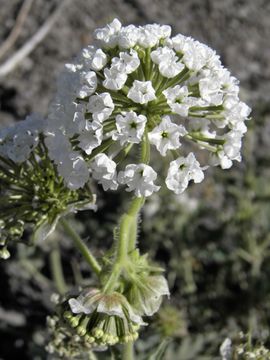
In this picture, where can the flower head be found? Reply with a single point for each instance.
(139, 86)
(102, 319)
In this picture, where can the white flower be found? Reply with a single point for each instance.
(68, 118)
(141, 92)
(88, 82)
(73, 169)
(166, 135)
(91, 137)
(101, 106)
(164, 31)
(19, 141)
(229, 151)
(236, 112)
(181, 171)
(210, 90)
(104, 171)
(94, 58)
(68, 84)
(126, 62)
(139, 178)
(128, 36)
(114, 79)
(130, 127)
(150, 34)
(168, 63)
(233, 144)
(177, 99)
(220, 158)
(107, 36)
(21, 146)
(196, 55)
(99, 60)
(200, 125)
(179, 43)
(58, 146)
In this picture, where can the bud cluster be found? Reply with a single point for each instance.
(32, 193)
(65, 342)
(244, 347)
(102, 319)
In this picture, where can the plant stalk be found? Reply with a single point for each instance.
(86, 253)
(126, 242)
(128, 351)
(57, 270)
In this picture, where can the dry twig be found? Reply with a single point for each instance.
(31, 44)
(15, 32)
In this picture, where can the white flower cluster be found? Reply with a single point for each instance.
(140, 86)
(18, 142)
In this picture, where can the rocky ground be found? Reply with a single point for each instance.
(238, 29)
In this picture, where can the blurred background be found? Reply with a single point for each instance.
(215, 244)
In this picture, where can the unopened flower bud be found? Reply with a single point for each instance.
(103, 319)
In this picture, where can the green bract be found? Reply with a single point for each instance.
(34, 196)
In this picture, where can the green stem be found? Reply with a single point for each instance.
(100, 149)
(86, 253)
(40, 279)
(76, 272)
(133, 234)
(128, 351)
(57, 270)
(125, 243)
(206, 139)
(145, 149)
(129, 221)
(128, 227)
(92, 356)
(122, 250)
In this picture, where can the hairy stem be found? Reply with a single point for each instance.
(133, 233)
(129, 222)
(126, 242)
(128, 227)
(128, 351)
(86, 253)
